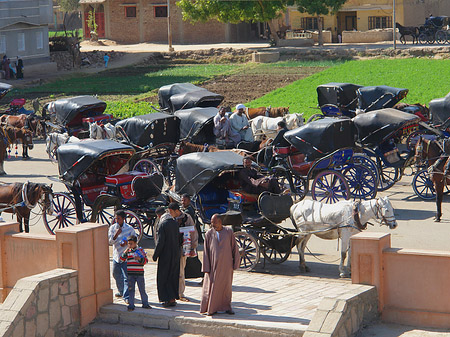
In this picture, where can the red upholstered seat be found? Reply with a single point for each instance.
(125, 182)
(104, 117)
(245, 197)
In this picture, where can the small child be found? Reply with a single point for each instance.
(136, 259)
(106, 59)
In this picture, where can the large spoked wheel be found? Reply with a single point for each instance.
(64, 214)
(423, 186)
(362, 182)
(362, 159)
(315, 117)
(148, 228)
(276, 245)
(388, 177)
(330, 187)
(299, 182)
(423, 38)
(146, 166)
(441, 37)
(248, 249)
(134, 221)
(104, 216)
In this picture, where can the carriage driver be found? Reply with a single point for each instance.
(254, 183)
(223, 131)
(239, 123)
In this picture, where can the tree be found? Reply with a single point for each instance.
(68, 6)
(92, 25)
(233, 11)
(317, 8)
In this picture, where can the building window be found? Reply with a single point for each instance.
(2, 44)
(130, 11)
(309, 23)
(39, 40)
(160, 11)
(21, 42)
(376, 22)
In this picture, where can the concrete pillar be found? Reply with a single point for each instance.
(7, 227)
(367, 260)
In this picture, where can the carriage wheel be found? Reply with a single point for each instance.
(134, 221)
(362, 182)
(146, 166)
(423, 38)
(299, 182)
(315, 117)
(330, 187)
(105, 216)
(363, 159)
(441, 37)
(64, 214)
(248, 249)
(269, 243)
(147, 227)
(423, 186)
(388, 177)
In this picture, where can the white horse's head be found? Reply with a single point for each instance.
(386, 212)
(294, 120)
(95, 131)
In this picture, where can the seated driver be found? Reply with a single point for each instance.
(254, 183)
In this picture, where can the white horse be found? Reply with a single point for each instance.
(341, 221)
(55, 140)
(106, 131)
(263, 126)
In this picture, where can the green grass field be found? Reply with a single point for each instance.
(62, 33)
(426, 79)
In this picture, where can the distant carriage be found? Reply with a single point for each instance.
(435, 29)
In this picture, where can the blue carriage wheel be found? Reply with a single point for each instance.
(388, 177)
(363, 159)
(362, 182)
(64, 213)
(330, 187)
(423, 186)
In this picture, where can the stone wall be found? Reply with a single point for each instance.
(345, 314)
(45, 304)
(370, 36)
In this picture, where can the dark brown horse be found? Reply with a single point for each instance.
(430, 151)
(418, 109)
(21, 198)
(12, 135)
(405, 31)
(268, 112)
(31, 122)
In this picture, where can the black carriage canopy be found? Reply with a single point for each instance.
(4, 89)
(197, 124)
(379, 97)
(339, 94)
(75, 158)
(440, 109)
(68, 108)
(152, 129)
(179, 96)
(436, 21)
(376, 126)
(322, 137)
(195, 170)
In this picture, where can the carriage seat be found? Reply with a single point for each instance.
(136, 185)
(244, 196)
(100, 118)
(298, 163)
(213, 200)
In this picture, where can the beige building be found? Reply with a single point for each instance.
(146, 21)
(364, 15)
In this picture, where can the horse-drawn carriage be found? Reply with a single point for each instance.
(197, 125)
(435, 29)
(73, 115)
(97, 178)
(179, 96)
(211, 179)
(345, 99)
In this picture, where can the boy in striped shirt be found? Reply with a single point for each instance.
(136, 259)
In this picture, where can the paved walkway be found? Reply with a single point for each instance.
(258, 299)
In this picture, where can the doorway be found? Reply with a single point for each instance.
(350, 22)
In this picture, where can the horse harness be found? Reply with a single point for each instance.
(356, 217)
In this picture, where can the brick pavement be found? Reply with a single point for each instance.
(258, 298)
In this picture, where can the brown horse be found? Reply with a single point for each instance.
(21, 198)
(405, 31)
(12, 135)
(430, 151)
(268, 112)
(31, 122)
(418, 109)
(185, 147)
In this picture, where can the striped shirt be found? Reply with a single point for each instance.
(136, 258)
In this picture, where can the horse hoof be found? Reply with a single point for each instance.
(344, 275)
(307, 269)
(303, 269)
(437, 220)
(3, 173)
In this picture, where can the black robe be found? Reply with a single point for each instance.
(168, 252)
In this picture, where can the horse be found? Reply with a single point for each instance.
(266, 127)
(268, 112)
(12, 135)
(341, 221)
(21, 198)
(55, 140)
(430, 151)
(102, 131)
(418, 109)
(184, 147)
(31, 122)
(405, 31)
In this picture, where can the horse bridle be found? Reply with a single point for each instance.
(379, 214)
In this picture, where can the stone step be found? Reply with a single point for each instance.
(115, 315)
(117, 330)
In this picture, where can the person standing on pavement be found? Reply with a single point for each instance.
(117, 235)
(188, 209)
(168, 252)
(189, 245)
(239, 123)
(220, 258)
(135, 258)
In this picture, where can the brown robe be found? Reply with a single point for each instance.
(220, 258)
